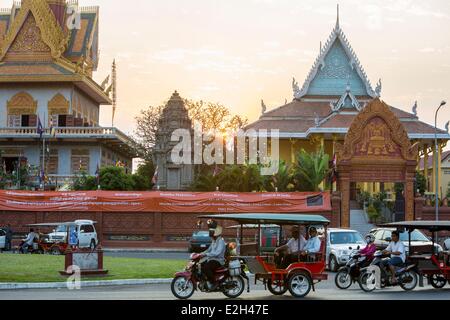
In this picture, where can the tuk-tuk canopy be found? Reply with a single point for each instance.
(54, 224)
(422, 224)
(271, 218)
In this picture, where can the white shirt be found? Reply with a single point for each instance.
(312, 245)
(397, 246)
(293, 244)
(447, 244)
(216, 251)
(30, 238)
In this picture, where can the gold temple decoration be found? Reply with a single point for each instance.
(51, 33)
(58, 105)
(21, 103)
(377, 132)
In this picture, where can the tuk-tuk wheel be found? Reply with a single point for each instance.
(277, 287)
(55, 251)
(299, 285)
(438, 281)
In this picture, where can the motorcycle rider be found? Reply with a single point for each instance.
(28, 242)
(215, 254)
(370, 249)
(396, 249)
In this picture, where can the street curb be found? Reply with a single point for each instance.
(99, 283)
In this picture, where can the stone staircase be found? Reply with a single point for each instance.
(359, 222)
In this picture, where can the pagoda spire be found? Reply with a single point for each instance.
(337, 18)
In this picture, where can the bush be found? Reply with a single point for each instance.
(373, 214)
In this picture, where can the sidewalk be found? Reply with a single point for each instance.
(93, 283)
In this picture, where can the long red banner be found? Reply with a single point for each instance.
(208, 202)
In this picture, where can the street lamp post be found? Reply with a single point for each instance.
(436, 174)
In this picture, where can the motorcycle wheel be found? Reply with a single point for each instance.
(367, 281)
(343, 279)
(277, 288)
(410, 285)
(300, 285)
(181, 288)
(438, 281)
(238, 288)
(333, 264)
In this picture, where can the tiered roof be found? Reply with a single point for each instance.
(334, 92)
(36, 45)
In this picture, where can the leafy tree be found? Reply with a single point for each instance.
(212, 116)
(143, 176)
(283, 180)
(205, 181)
(83, 182)
(310, 170)
(420, 183)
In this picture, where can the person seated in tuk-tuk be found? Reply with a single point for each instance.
(397, 250)
(312, 245)
(287, 254)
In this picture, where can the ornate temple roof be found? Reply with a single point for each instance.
(36, 45)
(334, 92)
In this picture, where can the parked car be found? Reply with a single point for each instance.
(384, 235)
(341, 243)
(87, 235)
(199, 241)
(2, 240)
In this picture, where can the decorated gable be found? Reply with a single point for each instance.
(335, 74)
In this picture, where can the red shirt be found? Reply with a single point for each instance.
(369, 251)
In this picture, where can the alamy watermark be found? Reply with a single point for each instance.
(242, 147)
(73, 282)
(73, 21)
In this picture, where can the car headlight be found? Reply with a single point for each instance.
(343, 252)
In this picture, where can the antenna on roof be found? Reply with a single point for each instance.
(337, 19)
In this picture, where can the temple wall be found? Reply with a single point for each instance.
(41, 93)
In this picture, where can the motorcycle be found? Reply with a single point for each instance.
(349, 274)
(33, 249)
(228, 280)
(406, 275)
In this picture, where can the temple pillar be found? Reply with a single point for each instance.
(409, 194)
(425, 165)
(345, 204)
(293, 142)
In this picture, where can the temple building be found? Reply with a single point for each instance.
(335, 91)
(49, 102)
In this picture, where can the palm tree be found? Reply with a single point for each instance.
(310, 170)
(282, 181)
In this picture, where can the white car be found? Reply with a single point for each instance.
(87, 235)
(341, 243)
(2, 240)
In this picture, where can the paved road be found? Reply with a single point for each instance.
(324, 291)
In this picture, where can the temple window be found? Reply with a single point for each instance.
(21, 111)
(80, 161)
(58, 111)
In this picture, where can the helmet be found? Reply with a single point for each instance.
(370, 238)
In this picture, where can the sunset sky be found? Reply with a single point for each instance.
(238, 52)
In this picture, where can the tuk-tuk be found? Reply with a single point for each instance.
(300, 276)
(431, 263)
(51, 247)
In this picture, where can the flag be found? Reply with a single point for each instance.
(40, 128)
(216, 172)
(81, 165)
(155, 176)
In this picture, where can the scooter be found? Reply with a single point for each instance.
(229, 280)
(378, 275)
(33, 249)
(349, 274)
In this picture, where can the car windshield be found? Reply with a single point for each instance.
(201, 234)
(416, 235)
(346, 237)
(60, 229)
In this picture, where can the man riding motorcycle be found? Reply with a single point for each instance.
(215, 254)
(398, 254)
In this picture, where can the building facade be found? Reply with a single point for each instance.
(47, 63)
(335, 91)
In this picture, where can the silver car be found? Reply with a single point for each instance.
(341, 242)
